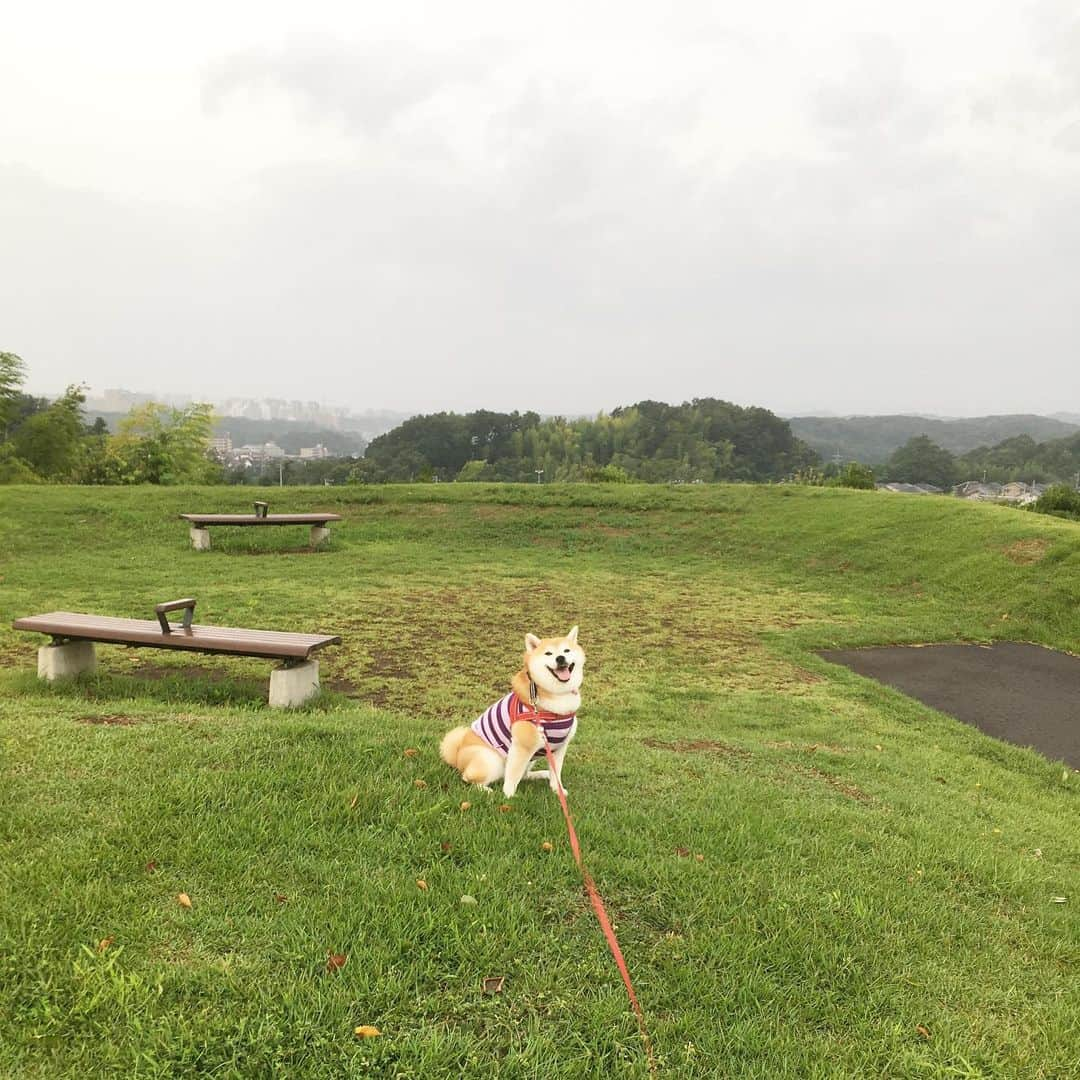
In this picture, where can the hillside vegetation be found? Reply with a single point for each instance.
(810, 874)
(872, 439)
(703, 440)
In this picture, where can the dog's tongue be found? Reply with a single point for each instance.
(563, 674)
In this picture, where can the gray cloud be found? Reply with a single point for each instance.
(487, 226)
(364, 86)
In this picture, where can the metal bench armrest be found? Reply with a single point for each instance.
(188, 607)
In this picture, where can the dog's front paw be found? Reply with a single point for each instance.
(509, 791)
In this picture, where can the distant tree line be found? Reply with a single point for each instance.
(43, 440)
(921, 461)
(872, 439)
(701, 440)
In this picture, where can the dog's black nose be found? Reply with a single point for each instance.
(560, 661)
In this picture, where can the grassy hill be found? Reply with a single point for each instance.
(872, 439)
(810, 874)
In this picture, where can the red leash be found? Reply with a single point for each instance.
(598, 907)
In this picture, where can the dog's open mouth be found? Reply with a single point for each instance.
(562, 673)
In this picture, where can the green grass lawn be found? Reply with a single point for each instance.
(810, 874)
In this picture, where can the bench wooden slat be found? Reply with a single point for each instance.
(269, 644)
(253, 519)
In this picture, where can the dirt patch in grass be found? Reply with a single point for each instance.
(1025, 552)
(914, 587)
(148, 670)
(322, 549)
(398, 656)
(851, 791)
(699, 746)
(388, 665)
(498, 512)
(342, 686)
(809, 748)
(115, 720)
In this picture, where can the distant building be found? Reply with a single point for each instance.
(221, 446)
(979, 490)
(266, 452)
(1016, 492)
(314, 453)
(910, 489)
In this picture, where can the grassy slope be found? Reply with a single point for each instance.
(867, 865)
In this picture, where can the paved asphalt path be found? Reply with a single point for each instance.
(1024, 694)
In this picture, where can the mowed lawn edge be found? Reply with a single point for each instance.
(810, 874)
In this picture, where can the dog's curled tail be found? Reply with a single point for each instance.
(450, 745)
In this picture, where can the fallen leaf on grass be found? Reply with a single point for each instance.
(419, 783)
(493, 984)
(1037, 853)
(336, 961)
(547, 845)
(700, 858)
(104, 943)
(150, 867)
(421, 884)
(683, 852)
(465, 806)
(184, 900)
(411, 752)
(923, 1030)
(366, 1031)
(467, 899)
(446, 845)
(281, 898)
(505, 808)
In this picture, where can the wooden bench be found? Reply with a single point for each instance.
(73, 635)
(200, 531)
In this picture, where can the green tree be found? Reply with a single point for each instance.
(1059, 500)
(49, 442)
(855, 475)
(13, 470)
(12, 375)
(920, 461)
(158, 445)
(473, 471)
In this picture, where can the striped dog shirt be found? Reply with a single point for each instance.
(494, 726)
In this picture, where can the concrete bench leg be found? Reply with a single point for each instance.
(319, 535)
(200, 538)
(67, 660)
(292, 686)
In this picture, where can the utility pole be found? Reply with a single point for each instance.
(281, 474)
(539, 473)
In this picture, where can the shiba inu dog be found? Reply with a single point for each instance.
(543, 701)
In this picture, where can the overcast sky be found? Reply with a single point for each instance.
(851, 205)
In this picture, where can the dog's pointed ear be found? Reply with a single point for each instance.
(532, 642)
(572, 636)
